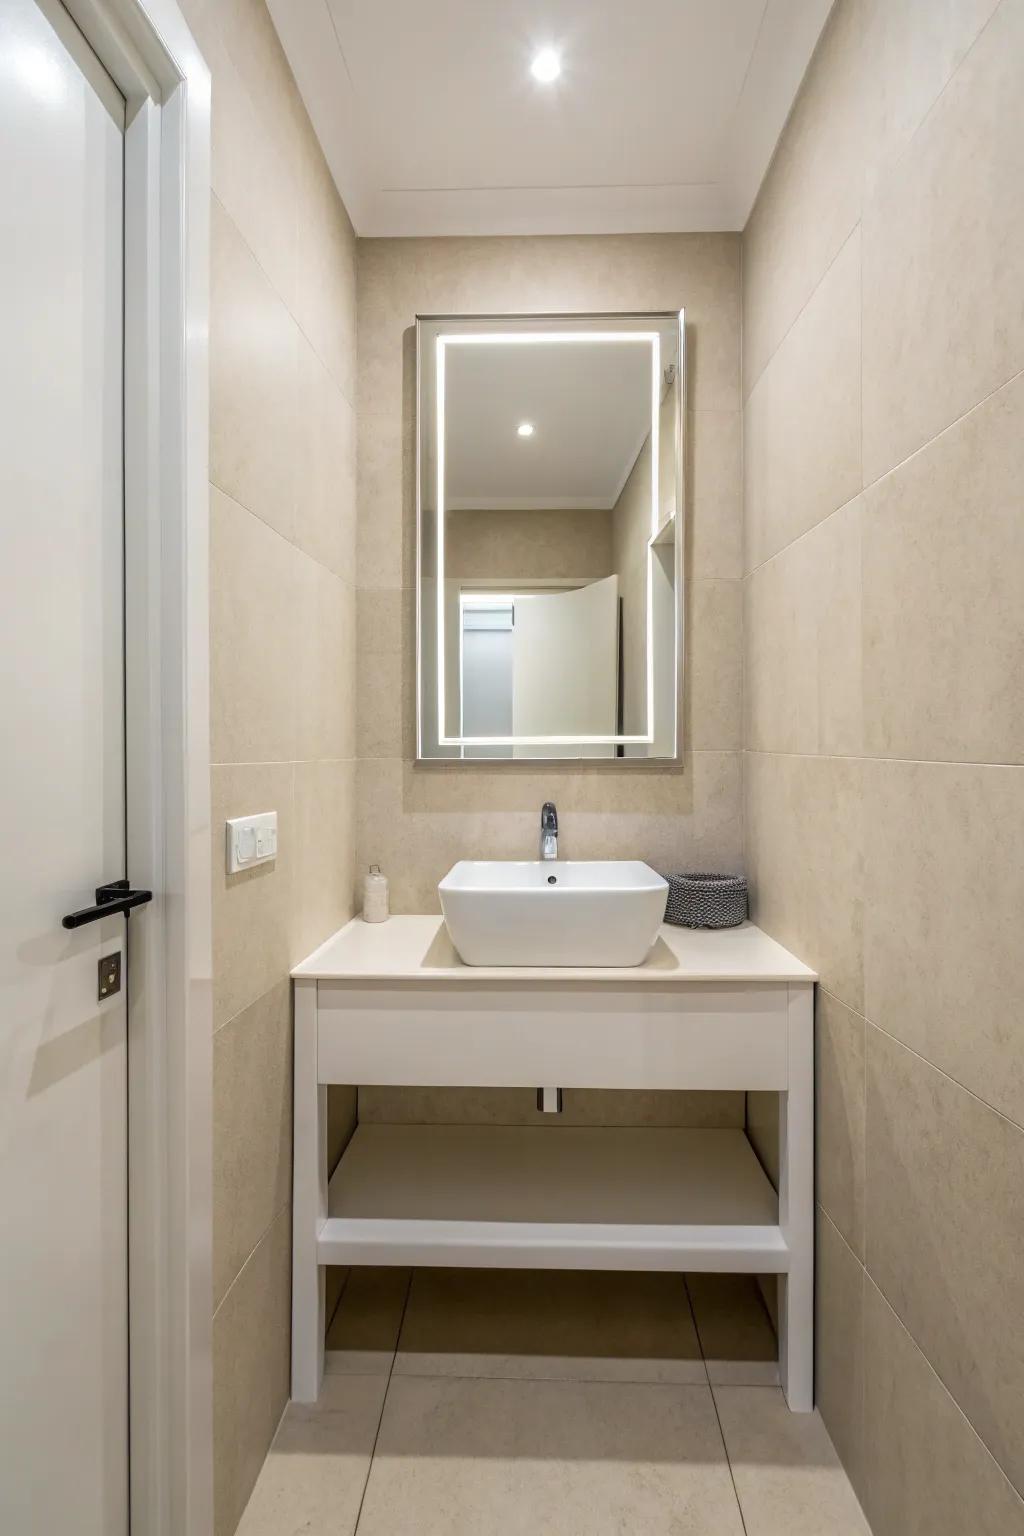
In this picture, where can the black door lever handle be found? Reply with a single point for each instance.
(115, 897)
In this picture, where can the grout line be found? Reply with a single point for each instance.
(746, 393)
(284, 302)
(564, 1380)
(866, 1018)
(870, 1279)
(281, 1210)
(728, 1458)
(1001, 1114)
(383, 1404)
(696, 1328)
(293, 544)
(893, 470)
(863, 757)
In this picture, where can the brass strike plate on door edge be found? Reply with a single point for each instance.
(109, 976)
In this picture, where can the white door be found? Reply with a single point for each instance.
(63, 1105)
(566, 667)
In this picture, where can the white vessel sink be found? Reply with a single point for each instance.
(553, 912)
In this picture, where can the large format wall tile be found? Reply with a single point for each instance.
(417, 821)
(251, 1361)
(943, 959)
(926, 1471)
(322, 897)
(325, 277)
(839, 1347)
(839, 1116)
(324, 681)
(387, 510)
(254, 630)
(252, 1129)
(325, 519)
(252, 910)
(811, 196)
(803, 688)
(945, 1235)
(536, 275)
(944, 591)
(943, 302)
(892, 643)
(713, 695)
(250, 172)
(802, 418)
(253, 376)
(713, 504)
(283, 466)
(804, 842)
(911, 50)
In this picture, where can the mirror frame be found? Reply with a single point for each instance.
(467, 329)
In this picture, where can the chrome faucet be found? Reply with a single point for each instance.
(549, 831)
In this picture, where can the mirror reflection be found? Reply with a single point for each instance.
(549, 550)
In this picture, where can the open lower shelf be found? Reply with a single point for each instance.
(555, 1198)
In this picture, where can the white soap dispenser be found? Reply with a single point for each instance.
(375, 896)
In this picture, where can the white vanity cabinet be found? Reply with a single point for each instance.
(392, 1003)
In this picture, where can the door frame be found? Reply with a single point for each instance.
(147, 48)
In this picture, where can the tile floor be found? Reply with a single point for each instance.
(522, 1403)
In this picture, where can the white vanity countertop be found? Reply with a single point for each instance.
(415, 948)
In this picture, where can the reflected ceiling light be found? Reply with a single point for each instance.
(525, 429)
(41, 73)
(546, 66)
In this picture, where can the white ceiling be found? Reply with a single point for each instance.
(590, 405)
(665, 116)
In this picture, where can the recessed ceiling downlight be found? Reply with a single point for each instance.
(546, 66)
(525, 429)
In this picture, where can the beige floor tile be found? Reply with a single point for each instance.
(313, 1479)
(363, 1332)
(734, 1329)
(549, 1324)
(463, 1457)
(788, 1477)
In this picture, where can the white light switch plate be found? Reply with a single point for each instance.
(251, 840)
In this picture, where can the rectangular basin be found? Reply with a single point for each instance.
(553, 912)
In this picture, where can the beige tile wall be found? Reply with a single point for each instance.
(884, 729)
(417, 820)
(283, 624)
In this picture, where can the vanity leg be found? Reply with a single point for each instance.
(796, 1206)
(309, 1203)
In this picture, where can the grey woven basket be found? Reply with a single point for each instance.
(697, 900)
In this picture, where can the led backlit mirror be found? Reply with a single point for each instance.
(549, 522)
